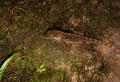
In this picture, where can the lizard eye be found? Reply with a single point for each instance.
(52, 35)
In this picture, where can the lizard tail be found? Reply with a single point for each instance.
(106, 44)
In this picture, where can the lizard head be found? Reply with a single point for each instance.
(53, 34)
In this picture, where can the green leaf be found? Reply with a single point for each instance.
(5, 64)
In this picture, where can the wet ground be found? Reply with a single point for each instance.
(23, 24)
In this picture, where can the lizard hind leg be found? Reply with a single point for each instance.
(113, 49)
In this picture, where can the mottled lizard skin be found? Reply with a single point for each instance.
(75, 38)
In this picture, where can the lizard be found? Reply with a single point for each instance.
(75, 38)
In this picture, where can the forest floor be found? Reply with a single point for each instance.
(23, 24)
